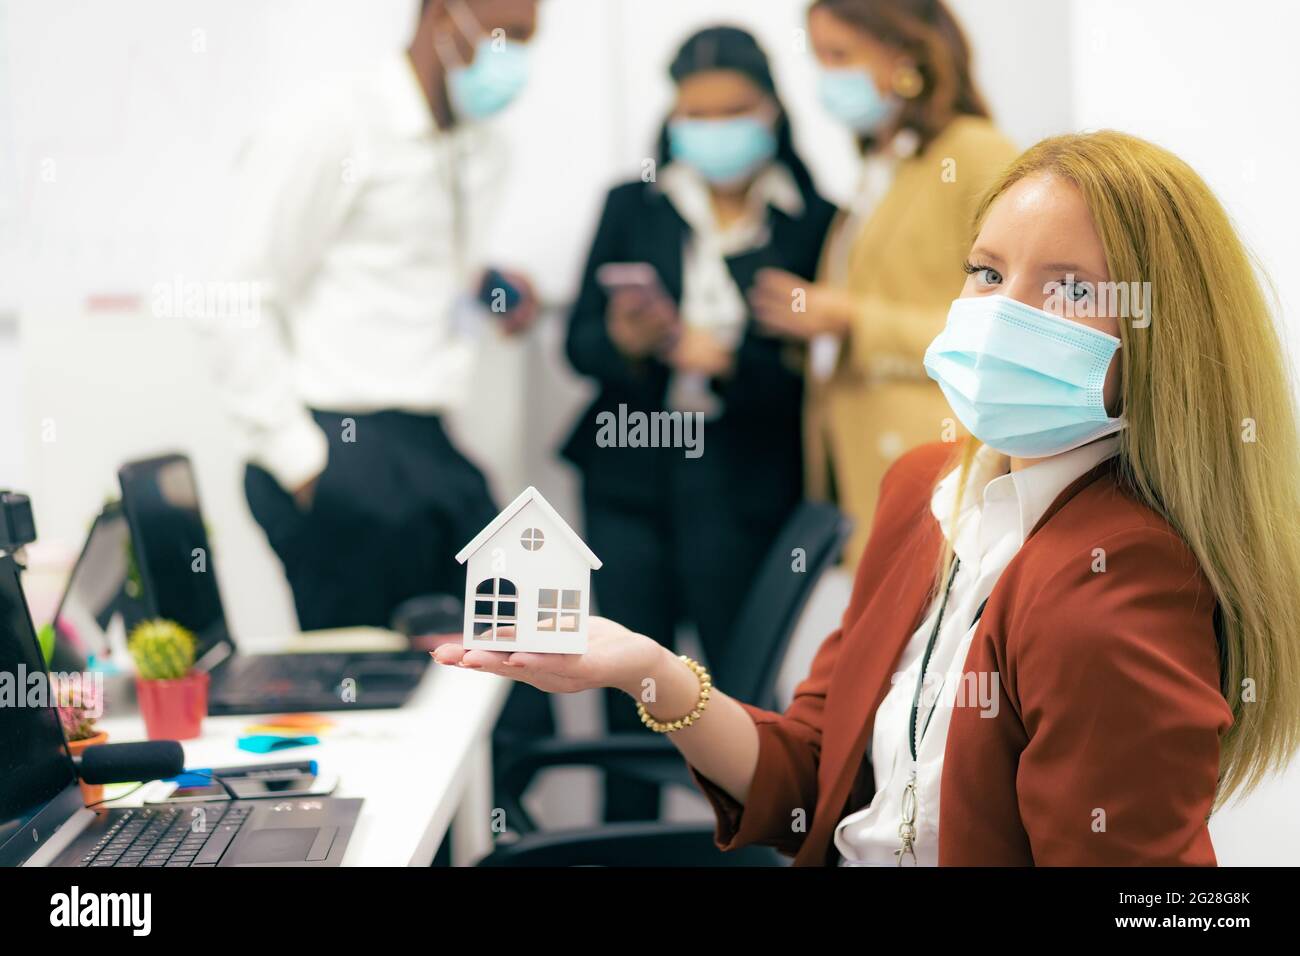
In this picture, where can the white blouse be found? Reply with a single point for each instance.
(711, 300)
(989, 530)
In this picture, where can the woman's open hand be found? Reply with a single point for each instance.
(616, 657)
(723, 746)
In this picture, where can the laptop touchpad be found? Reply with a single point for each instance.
(282, 845)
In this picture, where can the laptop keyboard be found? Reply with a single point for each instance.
(169, 836)
(286, 673)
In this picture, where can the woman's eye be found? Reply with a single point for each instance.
(985, 276)
(1075, 291)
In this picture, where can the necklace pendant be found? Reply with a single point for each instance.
(907, 833)
(907, 828)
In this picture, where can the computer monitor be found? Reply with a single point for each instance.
(38, 785)
(161, 499)
(98, 610)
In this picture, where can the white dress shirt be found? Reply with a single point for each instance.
(711, 300)
(999, 509)
(354, 219)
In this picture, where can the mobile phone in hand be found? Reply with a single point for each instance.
(498, 294)
(639, 277)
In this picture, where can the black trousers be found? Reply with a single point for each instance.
(689, 558)
(395, 503)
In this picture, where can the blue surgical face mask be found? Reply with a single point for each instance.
(722, 150)
(488, 84)
(851, 96)
(1023, 381)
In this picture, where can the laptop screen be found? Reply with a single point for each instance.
(96, 597)
(34, 764)
(171, 546)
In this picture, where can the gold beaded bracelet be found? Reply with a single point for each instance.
(706, 688)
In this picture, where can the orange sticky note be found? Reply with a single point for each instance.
(292, 724)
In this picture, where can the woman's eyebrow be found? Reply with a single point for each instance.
(980, 252)
(1070, 268)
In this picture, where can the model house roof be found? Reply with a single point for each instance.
(527, 496)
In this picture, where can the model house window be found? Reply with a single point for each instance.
(558, 609)
(495, 601)
(532, 539)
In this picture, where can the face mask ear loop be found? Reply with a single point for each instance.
(442, 46)
(454, 61)
(470, 27)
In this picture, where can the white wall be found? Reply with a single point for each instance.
(1218, 86)
(12, 474)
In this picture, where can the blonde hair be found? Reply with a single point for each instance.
(1211, 443)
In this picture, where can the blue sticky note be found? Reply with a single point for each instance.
(270, 743)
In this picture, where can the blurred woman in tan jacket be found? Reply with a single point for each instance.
(897, 72)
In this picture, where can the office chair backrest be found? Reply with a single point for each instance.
(776, 599)
(637, 844)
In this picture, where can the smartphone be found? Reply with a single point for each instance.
(639, 277)
(498, 294)
(248, 783)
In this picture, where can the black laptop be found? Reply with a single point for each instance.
(43, 821)
(177, 573)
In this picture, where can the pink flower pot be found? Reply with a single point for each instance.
(91, 793)
(173, 709)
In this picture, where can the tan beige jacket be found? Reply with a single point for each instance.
(905, 264)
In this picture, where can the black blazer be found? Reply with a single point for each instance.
(756, 442)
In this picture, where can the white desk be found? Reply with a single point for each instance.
(417, 768)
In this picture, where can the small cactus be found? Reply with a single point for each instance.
(162, 650)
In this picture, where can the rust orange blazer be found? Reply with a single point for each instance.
(1104, 749)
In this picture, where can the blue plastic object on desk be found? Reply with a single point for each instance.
(192, 778)
(270, 743)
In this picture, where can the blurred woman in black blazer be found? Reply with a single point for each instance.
(681, 531)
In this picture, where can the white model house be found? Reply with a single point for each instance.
(530, 572)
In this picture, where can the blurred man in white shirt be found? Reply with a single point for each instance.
(357, 221)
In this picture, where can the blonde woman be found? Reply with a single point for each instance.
(1071, 639)
(898, 74)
